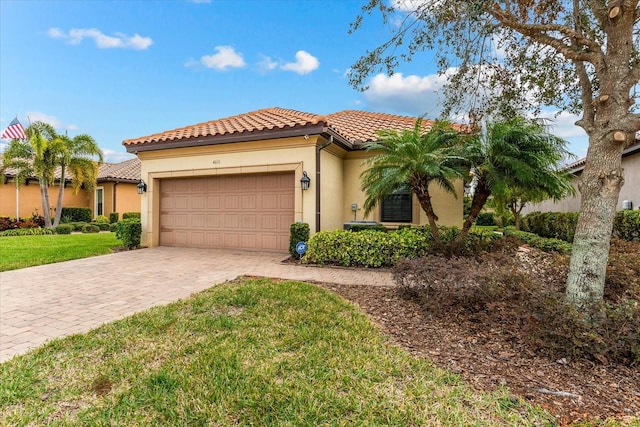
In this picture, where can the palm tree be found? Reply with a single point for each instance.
(43, 152)
(77, 158)
(514, 154)
(413, 159)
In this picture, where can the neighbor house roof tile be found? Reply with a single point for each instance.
(355, 127)
(128, 170)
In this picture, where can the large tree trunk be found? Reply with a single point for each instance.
(599, 187)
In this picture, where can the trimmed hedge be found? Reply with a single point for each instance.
(298, 232)
(75, 215)
(129, 231)
(562, 225)
(546, 244)
(90, 228)
(626, 225)
(103, 226)
(64, 229)
(370, 248)
(131, 215)
(27, 232)
(102, 219)
(485, 218)
(114, 217)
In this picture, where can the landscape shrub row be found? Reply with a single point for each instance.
(543, 243)
(8, 223)
(562, 225)
(131, 215)
(370, 248)
(27, 232)
(70, 214)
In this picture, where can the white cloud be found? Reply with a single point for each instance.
(37, 116)
(226, 57)
(305, 63)
(267, 64)
(111, 156)
(410, 5)
(103, 41)
(411, 94)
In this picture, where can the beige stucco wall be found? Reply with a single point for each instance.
(127, 198)
(295, 154)
(332, 188)
(30, 202)
(630, 191)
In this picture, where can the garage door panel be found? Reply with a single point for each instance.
(236, 211)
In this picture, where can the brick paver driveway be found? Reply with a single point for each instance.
(49, 301)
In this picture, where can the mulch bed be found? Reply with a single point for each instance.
(484, 356)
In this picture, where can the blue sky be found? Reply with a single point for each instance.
(124, 69)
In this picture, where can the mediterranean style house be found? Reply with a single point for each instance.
(629, 194)
(240, 182)
(115, 192)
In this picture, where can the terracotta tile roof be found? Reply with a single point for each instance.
(125, 171)
(362, 126)
(261, 120)
(355, 127)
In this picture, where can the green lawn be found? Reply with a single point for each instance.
(27, 251)
(250, 352)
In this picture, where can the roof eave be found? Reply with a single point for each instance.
(227, 139)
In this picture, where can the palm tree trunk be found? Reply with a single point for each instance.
(480, 196)
(424, 198)
(58, 215)
(44, 197)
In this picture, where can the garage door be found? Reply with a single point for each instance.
(234, 211)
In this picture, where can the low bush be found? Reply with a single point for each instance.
(75, 215)
(103, 226)
(486, 218)
(298, 232)
(64, 229)
(362, 227)
(8, 223)
(626, 225)
(27, 232)
(129, 231)
(77, 226)
(131, 215)
(113, 227)
(114, 217)
(102, 219)
(370, 248)
(523, 293)
(546, 244)
(90, 228)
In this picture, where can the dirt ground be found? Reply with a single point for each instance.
(572, 390)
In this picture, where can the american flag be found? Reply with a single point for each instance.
(14, 131)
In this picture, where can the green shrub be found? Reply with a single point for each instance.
(546, 244)
(362, 227)
(77, 226)
(75, 215)
(129, 231)
(555, 225)
(131, 215)
(626, 225)
(64, 229)
(102, 219)
(113, 227)
(90, 228)
(103, 226)
(486, 218)
(298, 232)
(27, 232)
(114, 217)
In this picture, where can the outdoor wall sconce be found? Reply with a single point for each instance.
(305, 181)
(142, 187)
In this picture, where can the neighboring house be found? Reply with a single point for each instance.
(115, 192)
(236, 182)
(630, 189)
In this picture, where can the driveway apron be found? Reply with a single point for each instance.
(40, 303)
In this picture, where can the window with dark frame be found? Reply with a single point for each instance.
(398, 207)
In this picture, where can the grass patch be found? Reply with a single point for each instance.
(251, 352)
(28, 251)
